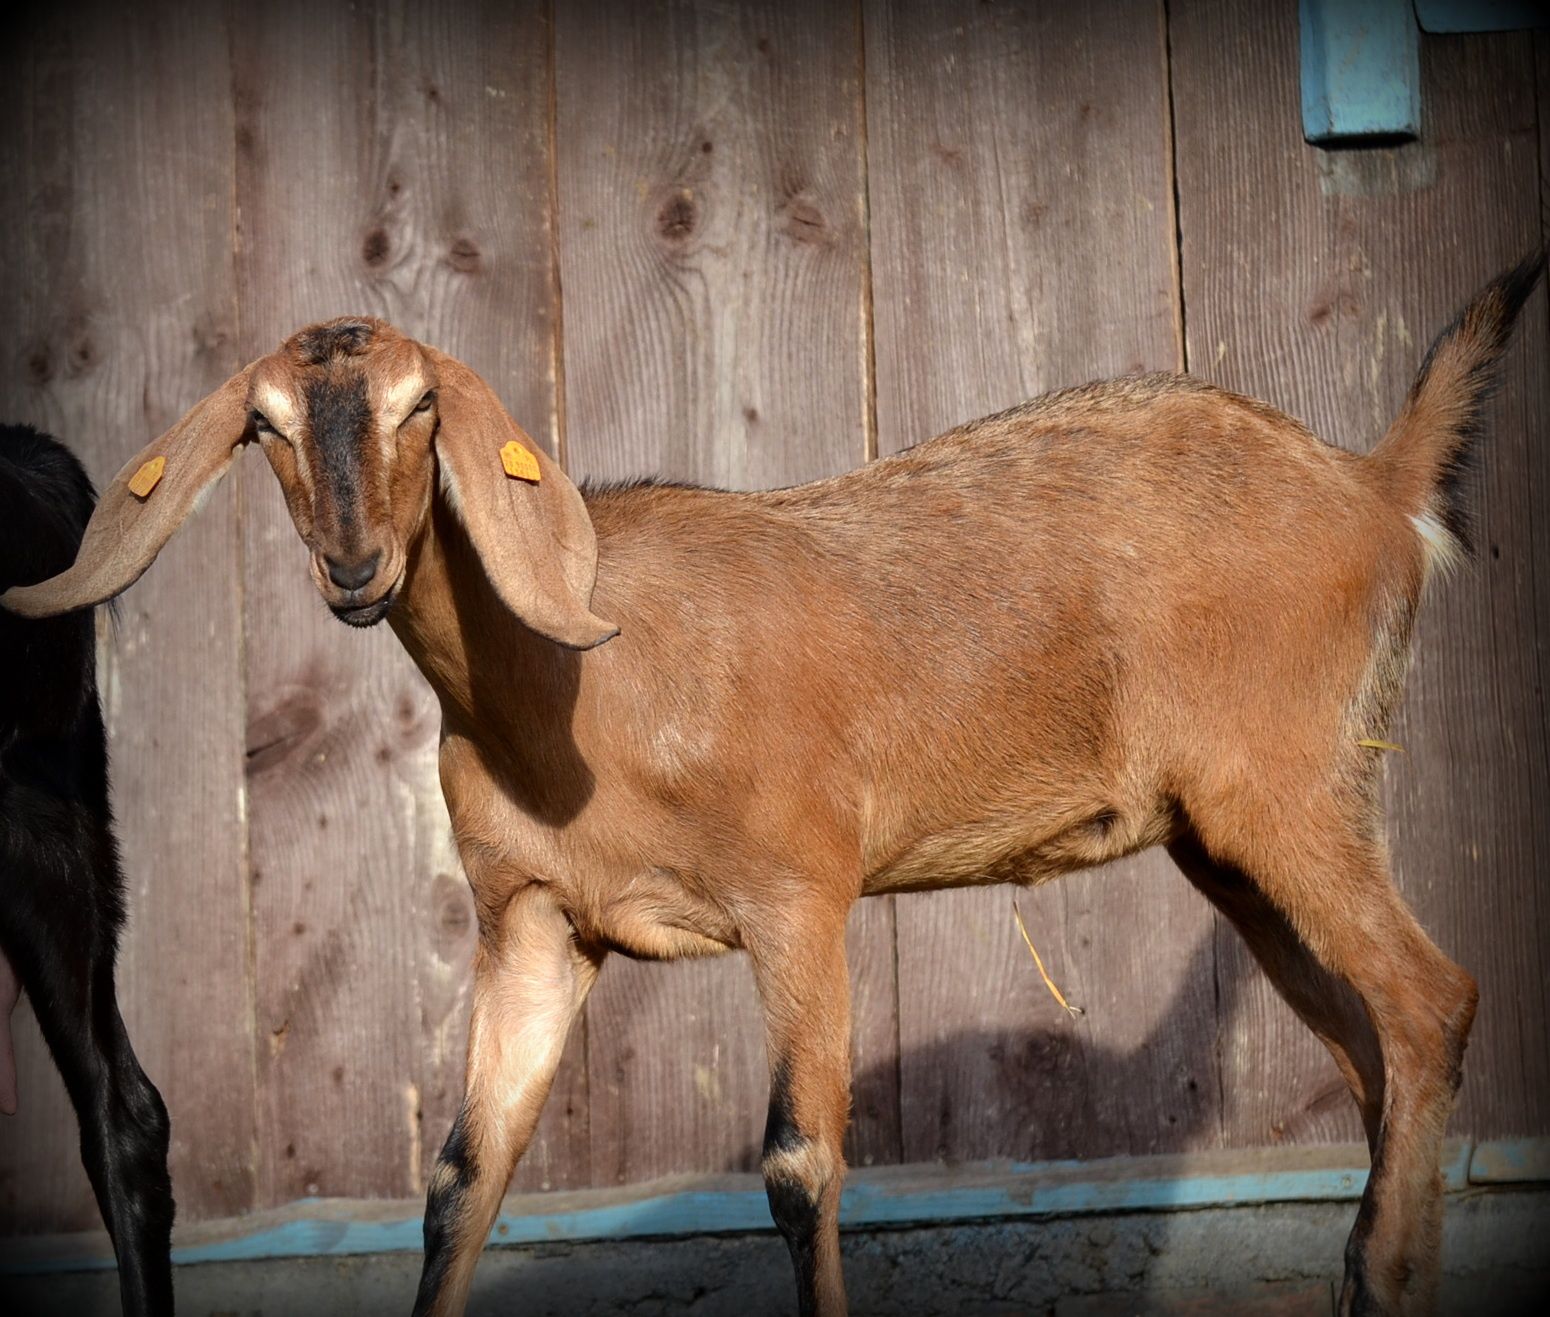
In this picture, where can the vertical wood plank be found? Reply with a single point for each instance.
(1022, 239)
(713, 254)
(1542, 97)
(415, 189)
(1316, 280)
(119, 143)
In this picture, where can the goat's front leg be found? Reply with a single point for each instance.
(530, 980)
(805, 990)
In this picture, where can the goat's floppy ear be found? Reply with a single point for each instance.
(531, 530)
(147, 500)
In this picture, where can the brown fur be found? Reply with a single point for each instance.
(1141, 612)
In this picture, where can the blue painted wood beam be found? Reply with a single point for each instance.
(1361, 70)
(877, 1197)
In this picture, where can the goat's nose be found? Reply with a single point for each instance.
(352, 575)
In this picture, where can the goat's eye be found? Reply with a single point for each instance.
(262, 425)
(425, 403)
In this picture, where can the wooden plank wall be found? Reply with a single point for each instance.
(1316, 279)
(744, 244)
(120, 304)
(1023, 239)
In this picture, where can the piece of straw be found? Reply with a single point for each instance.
(1369, 744)
(1072, 1011)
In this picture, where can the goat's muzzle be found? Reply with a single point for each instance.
(364, 615)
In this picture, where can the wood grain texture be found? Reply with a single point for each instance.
(416, 190)
(713, 262)
(1022, 231)
(119, 304)
(1315, 280)
(1542, 98)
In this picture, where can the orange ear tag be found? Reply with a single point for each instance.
(147, 477)
(519, 463)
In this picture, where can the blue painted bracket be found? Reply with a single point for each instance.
(1361, 59)
(1361, 70)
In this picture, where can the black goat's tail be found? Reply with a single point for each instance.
(1430, 448)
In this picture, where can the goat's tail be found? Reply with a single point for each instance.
(1428, 451)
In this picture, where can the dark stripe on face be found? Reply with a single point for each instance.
(340, 420)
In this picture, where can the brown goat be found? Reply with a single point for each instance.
(1144, 612)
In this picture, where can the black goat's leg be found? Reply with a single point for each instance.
(64, 958)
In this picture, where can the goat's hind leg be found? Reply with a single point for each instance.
(1324, 1002)
(1313, 896)
(64, 952)
(530, 980)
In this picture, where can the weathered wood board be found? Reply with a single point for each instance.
(1316, 280)
(1022, 240)
(119, 307)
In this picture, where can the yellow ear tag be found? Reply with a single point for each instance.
(519, 463)
(147, 477)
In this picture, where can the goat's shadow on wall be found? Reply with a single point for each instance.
(1044, 1091)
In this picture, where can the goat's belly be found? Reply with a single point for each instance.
(1016, 850)
(655, 916)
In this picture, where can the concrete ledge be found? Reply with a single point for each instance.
(879, 1197)
(1272, 1258)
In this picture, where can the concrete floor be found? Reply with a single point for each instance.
(1282, 1259)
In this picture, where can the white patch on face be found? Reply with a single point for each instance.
(403, 395)
(304, 471)
(277, 406)
(397, 406)
(1443, 551)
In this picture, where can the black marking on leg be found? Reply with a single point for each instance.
(796, 1215)
(443, 1204)
(792, 1205)
(780, 1128)
(1356, 1296)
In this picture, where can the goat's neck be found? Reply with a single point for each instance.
(495, 678)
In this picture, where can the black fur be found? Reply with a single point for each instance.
(339, 417)
(792, 1205)
(592, 488)
(780, 1127)
(443, 1206)
(338, 338)
(1487, 323)
(61, 890)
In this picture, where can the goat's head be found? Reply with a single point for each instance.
(363, 427)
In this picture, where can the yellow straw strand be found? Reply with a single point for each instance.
(1072, 1011)
(1369, 744)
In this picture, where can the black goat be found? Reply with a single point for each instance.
(61, 890)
